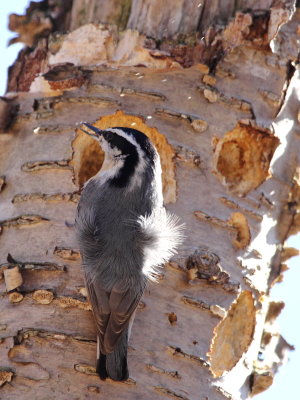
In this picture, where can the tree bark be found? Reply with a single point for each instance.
(215, 85)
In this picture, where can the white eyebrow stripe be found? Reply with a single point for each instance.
(129, 138)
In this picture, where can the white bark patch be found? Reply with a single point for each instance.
(87, 45)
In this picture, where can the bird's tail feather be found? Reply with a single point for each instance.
(101, 367)
(114, 365)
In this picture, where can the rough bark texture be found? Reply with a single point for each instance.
(223, 113)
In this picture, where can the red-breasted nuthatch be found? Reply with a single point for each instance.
(125, 234)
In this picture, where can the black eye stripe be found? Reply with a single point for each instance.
(118, 141)
(122, 179)
(142, 140)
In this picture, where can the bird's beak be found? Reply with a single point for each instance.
(90, 129)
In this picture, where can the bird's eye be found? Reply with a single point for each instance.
(121, 156)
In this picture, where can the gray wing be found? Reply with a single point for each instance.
(113, 312)
(99, 299)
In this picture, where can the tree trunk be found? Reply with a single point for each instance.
(215, 85)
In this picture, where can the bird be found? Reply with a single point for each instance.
(125, 235)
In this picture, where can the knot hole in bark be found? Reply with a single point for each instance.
(87, 158)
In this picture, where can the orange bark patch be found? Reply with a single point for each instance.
(5, 376)
(243, 236)
(242, 157)
(87, 158)
(43, 296)
(261, 382)
(233, 335)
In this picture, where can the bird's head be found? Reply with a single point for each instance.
(128, 153)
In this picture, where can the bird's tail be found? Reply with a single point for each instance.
(114, 365)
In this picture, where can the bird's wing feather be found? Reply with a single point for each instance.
(99, 299)
(112, 311)
(123, 304)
